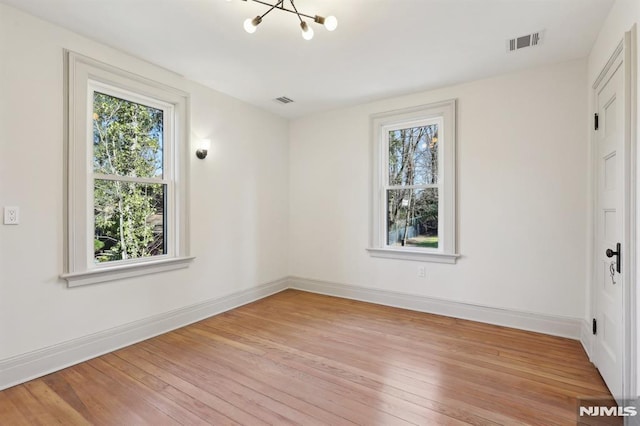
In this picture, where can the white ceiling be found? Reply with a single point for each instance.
(381, 48)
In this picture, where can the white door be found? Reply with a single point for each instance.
(610, 222)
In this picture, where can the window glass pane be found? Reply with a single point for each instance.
(127, 137)
(412, 217)
(413, 156)
(129, 220)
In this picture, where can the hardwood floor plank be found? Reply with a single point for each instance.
(309, 359)
(359, 409)
(232, 365)
(112, 400)
(349, 311)
(54, 404)
(30, 407)
(10, 413)
(435, 334)
(423, 393)
(159, 387)
(463, 351)
(250, 399)
(368, 399)
(140, 358)
(133, 387)
(471, 365)
(358, 321)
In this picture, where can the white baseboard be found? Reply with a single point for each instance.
(31, 365)
(541, 323)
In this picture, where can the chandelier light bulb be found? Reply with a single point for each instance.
(250, 25)
(307, 32)
(331, 23)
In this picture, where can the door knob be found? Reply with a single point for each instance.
(611, 253)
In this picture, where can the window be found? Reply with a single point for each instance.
(126, 174)
(413, 196)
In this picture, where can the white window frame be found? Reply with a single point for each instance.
(84, 76)
(443, 114)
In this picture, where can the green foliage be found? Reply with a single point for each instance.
(97, 245)
(128, 216)
(429, 242)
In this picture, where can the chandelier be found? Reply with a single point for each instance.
(329, 22)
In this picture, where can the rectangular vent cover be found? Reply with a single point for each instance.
(283, 100)
(522, 42)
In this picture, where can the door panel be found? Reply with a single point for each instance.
(609, 228)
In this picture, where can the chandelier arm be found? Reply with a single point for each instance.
(272, 7)
(296, 11)
(281, 2)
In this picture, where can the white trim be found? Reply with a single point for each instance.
(608, 65)
(630, 388)
(31, 365)
(117, 272)
(409, 254)
(115, 178)
(530, 321)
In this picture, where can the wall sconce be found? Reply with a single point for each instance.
(203, 148)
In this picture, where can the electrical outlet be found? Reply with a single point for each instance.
(422, 272)
(11, 215)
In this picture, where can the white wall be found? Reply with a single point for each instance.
(623, 15)
(522, 198)
(239, 198)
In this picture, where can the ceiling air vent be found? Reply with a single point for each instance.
(521, 42)
(283, 100)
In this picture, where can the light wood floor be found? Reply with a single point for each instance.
(301, 358)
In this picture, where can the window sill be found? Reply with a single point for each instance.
(417, 255)
(95, 276)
